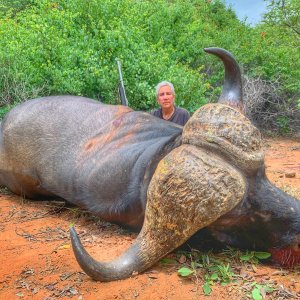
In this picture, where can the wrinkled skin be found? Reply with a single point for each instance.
(260, 222)
(142, 172)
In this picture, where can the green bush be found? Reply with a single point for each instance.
(71, 47)
(11, 7)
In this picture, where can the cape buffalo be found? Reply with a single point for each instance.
(131, 168)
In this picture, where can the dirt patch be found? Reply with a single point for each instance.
(37, 261)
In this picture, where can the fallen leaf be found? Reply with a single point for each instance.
(66, 246)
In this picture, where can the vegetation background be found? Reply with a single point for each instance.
(70, 47)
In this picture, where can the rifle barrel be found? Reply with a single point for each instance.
(122, 93)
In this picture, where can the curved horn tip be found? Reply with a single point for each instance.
(217, 51)
(74, 238)
(121, 268)
(73, 232)
(211, 49)
(86, 262)
(232, 93)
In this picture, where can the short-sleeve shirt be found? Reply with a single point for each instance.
(180, 115)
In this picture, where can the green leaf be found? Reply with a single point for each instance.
(268, 289)
(169, 261)
(206, 288)
(246, 257)
(184, 272)
(214, 276)
(262, 255)
(195, 265)
(256, 295)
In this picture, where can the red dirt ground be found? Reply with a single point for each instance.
(37, 261)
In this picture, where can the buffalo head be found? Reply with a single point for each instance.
(213, 180)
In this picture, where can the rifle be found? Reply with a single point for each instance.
(121, 86)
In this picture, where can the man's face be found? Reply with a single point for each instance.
(165, 97)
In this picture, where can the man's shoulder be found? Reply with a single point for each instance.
(182, 111)
(156, 112)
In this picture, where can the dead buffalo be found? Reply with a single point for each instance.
(131, 168)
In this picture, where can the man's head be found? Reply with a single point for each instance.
(165, 94)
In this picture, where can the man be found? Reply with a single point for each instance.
(165, 95)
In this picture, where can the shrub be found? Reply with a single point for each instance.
(268, 108)
(71, 46)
